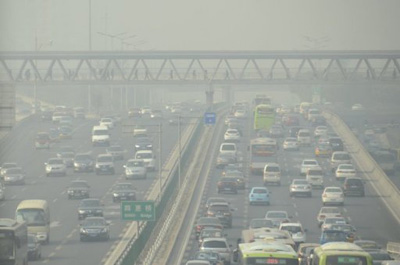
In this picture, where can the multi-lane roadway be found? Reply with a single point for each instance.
(367, 214)
(65, 246)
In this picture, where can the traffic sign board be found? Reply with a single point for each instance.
(210, 117)
(138, 211)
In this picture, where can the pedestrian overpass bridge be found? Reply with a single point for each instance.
(198, 67)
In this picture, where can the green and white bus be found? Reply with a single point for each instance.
(266, 253)
(13, 242)
(264, 117)
(340, 253)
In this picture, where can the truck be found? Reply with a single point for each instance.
(13, 242)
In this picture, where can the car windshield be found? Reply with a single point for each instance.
(124, 186)
(304, 134)
(217, 208)
(106, 120)
(273, 169)
(32, 217)
(211, 233)
(330, 210)
(68, 155)
(207, 256)
(135, 164)
(90, 203)
(94, 222)
(214, 244)
(228, 147)
(79, 184)
(260, 191)
(291, 140)
(276, 215)
(8, 165)
(334, 235)
(115, 149)
(42, 137)
(105, 159)
(13, 171)
(333, 190)
(292, 229)
(83, 158)
(55, 162)
(259, 223)
(300, 182)
(341, 156)
(144, 155)
(310, 163)
(100, 132)
(346, 167)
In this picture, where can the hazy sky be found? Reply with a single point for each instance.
(201, 25)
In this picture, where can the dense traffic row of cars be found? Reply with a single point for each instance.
(305, 128)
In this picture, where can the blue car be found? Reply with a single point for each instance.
(259, 195)
(333, 236)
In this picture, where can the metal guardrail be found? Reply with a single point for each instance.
(383, 186)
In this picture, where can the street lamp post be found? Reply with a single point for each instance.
(37, 48)
(180, 152)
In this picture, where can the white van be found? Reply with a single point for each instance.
(315, 176)
(36, 214)
(312, 113)
(100, 135)
(272, 174)
(148, 157)
(304, 137)
(228, 148)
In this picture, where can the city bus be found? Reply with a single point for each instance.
(262, 99)
(13, 242)
(264, 117)
(340, 253)
(263, 146)
(270, 253)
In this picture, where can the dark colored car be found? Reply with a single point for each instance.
(124, 192)
(78, 189)
(336, 144)
(224, 159)
(353, 186)
(207, 222)
(116, 151)
(318, 120)
(34, 248)
(47, 116)
(226, 184)
(94, 228)
(83, 163)
(143, 143)
(290, 120)
(90, 207)
(213, 257)
(222, 211)
(379, 256)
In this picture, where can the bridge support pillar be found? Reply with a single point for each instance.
(209, 96)
(228, 95)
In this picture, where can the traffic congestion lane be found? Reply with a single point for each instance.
(64, 227)
(366, 214)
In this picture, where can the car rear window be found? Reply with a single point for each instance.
(272, 169)
(214, 244)
(304, 134)
(259, 191)
(341, 157)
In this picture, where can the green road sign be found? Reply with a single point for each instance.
(138, 211)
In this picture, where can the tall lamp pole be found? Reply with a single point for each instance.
(90, 49)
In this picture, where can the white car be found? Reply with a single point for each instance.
(328, 212)
(339, 157)
(333, 195)
(290, 143)
(344, 171)
(320, 131)
(300, 187)
(148, 158)
(315, 176)
(308, 164)
(135, 168)
(108, 122)
(240, 113)
(296, 231)
(2, 192)
(6, 166)
(219, 245)
(55, 166)
(232, 135)
(329, 221)
(278, 217)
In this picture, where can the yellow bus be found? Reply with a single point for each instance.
(266, 253)
(36, 215)
(264, 117)
(263, 146)
(340, 253)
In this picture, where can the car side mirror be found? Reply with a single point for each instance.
(124, 166)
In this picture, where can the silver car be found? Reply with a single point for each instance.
(105, 164)
(219, 245)
(135, 168)
(300, 187)
(13, 176)
(55, 166)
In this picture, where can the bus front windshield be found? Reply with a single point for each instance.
(32, 217)
(264, 111)
(270, 261)
(6, 248)
(346, 260)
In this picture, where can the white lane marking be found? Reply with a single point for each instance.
(54, 200)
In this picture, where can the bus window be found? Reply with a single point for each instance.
(345, 260)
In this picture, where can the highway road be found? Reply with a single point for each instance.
(367, 214)
(65, 247)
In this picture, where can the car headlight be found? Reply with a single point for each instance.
(81, 211)
(131, 194)
(97, 165)
(116, 195)
(83, 231)
(70, 191)
(104, 230)
(99, 211)
(149, 146)
(128, 172)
